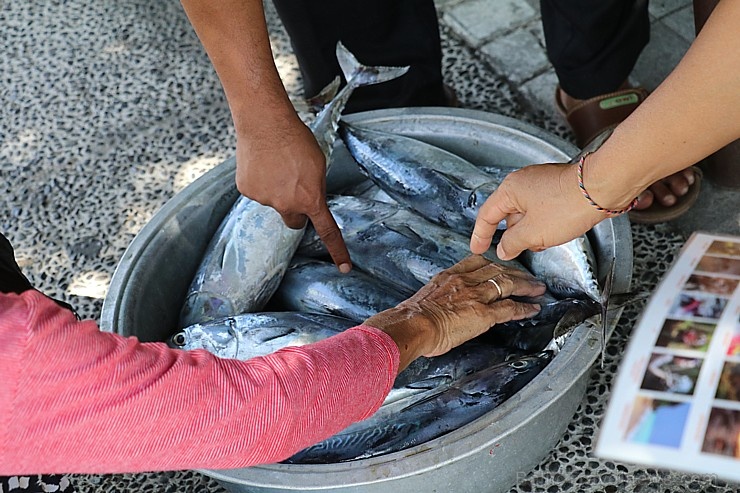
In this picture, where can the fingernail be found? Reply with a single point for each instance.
(345, 268)
(669, 200)
(690, 179)
(535, 307)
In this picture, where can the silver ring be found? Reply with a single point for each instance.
(498, 288)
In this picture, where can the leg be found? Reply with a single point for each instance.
(378, 32)
(594, 44)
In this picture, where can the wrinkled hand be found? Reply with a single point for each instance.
(282, 166)
(458, 304)
(542, 206)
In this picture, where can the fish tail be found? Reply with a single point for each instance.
(323, 98)
(357, 74)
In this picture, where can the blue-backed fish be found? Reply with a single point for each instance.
(448, 190)
(313, 285)
(393, 243)
(426, 416)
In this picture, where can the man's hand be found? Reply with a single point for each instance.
(280, 165)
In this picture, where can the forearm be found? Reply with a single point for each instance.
(91, 402)
(694, 112)
(235, 36)
(410, 332)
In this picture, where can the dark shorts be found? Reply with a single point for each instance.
(12, 279)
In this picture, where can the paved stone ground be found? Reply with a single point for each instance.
(108, 109)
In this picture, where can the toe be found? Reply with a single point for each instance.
(679, 183)
(663, 194)
(644, 200)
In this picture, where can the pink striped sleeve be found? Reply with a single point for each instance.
(79, 400)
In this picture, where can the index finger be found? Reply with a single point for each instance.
(327, 229)
(489, 216)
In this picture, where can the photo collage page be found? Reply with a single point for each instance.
(676, 402)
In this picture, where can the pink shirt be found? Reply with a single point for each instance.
(74, 399)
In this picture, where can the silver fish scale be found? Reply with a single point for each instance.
(568, 270)
(218, 288)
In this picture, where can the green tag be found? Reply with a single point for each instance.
(616, 101)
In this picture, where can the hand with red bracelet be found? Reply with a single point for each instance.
(534, 201)
(550, 204)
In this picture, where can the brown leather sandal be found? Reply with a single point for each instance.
(593, 116)
(658, 213)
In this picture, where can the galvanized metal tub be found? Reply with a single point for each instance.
(489, 454)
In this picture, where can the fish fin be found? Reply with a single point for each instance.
(605, 295)
(450, 178)
(421, 401)
(405, 231)
(323, 98)
(569, 321)
(429, 383)
(357, 74)
(620, 300)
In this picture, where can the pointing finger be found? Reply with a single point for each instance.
(327, 229)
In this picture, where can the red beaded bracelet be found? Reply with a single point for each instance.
(588, 197)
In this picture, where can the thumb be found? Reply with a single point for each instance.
(513, 241)
(491, 213)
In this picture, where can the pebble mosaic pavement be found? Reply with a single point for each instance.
(108, 109)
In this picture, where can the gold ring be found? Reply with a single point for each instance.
(498, 288)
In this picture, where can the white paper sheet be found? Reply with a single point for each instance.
(676, 399)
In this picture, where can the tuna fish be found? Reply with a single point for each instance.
(394, 244)
(317, 286)
(423, 417)
(534, 334)
(448, 190)
(250, 251)
(250, 335)
(428, 373)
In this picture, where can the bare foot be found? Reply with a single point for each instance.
(667, 190)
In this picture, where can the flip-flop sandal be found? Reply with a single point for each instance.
(658, 213)
(591, 117)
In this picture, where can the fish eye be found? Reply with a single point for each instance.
(179, 339)
(518, 364)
